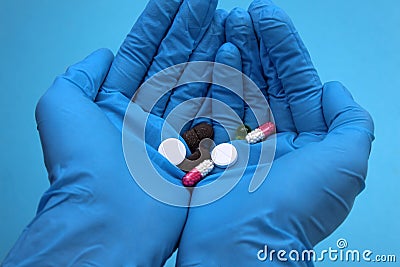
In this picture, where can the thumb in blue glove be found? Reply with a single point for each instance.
(93, 213)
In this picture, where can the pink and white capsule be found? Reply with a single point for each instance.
(198, 173)
(261, 133)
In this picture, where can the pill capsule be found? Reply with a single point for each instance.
(261, 133)
(198, 173)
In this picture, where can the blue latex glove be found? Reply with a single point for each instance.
(321, 159)
(94, 213)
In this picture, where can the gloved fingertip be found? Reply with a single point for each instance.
(221, 15)
(338, 86)
(229, 48)
(238, 10)
(340, 108)
(256, 10)
(237, 20)
(335, 98)
(266, 12)
(225, 123)
(240, 14)
(202, 11)
(90, 73)
(86, 76)
(102, 56)
(258, 5)
(229, 55)
(103, 53)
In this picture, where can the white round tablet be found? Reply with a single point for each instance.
(224, 155)
(174, 150)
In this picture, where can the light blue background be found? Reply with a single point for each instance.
(356, 42)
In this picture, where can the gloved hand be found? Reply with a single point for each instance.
(322, 148)
(94, 213)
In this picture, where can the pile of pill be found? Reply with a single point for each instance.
(201, 162)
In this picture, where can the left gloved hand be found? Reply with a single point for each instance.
(323, 144)
(94, 213)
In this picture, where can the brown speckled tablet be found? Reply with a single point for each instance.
(204, 130)
(198, 133)
(192, 140)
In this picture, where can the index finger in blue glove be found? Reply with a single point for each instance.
(276, 96)
(189, 26)
(226, 123)
(205, 51)
(140, 46)
(240, 32)
(292, 61)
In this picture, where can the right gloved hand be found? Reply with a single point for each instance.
(322, 149)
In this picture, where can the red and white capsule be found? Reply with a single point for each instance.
(198, 173)
(261, 133)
